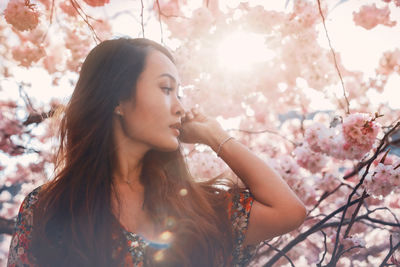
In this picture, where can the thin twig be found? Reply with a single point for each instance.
(85, 18)
(159, 19)
(141, 18)
(263, 131)
(391, 250)
(334, 57)
(325, 250)
(354, 215)
(304, 235)
(276, 249)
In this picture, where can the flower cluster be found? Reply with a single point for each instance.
(382, 180)
(96, 2)
(359, 131)
(8, 127)
(78, 45)
(21, 14)
(396, 2)
(28, 53)
(352, 140)
(307, 12)
(328, 182)
(68, 9)
(308, 159)
(389, 62)
(287, 167)
(371, 16)
(354, 243)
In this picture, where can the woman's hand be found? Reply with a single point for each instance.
(198, 128)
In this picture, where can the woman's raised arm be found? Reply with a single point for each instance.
(276, 209)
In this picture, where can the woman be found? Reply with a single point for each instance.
(123, 195)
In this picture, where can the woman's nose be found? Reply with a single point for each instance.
(178, 108)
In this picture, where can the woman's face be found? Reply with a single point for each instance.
(157, 105)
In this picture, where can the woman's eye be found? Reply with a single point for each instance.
(168, 89)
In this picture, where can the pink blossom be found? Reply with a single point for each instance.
(308, 159)
(306, 12)
(389, 160)
(78, 43)
(96, 2)
(389, 62)
(352, 140)
(287, 167)
(311, 135)
(396, 2)
(261, 20)
(394, 202)
(21, 14)
(379, 183)
(37, 167)
(9, 126)
(395, 176)
(205, 165)
(28, 53)
(201, 21)
(306, 193)
(328, 182)
(359, 132)
(169, 7)
(68, 8)
(102, 29)
(352, 242)
(356, 241)
(371, 16)
(54, 59)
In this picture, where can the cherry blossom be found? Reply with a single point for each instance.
(371, 16)
(309, 159)
(382, 180)
(96, 2)
(78, 45)
(21, 14)
(328, 182)
(356, 241)
(389, 62)
(68, 9)
(359, 132)
(28, 53)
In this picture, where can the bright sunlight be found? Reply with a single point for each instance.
(240, 50)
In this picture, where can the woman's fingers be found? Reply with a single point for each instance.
(195, 111)
(191, 114)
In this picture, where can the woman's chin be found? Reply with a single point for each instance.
(173, 146)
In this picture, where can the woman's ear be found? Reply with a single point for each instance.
(118, 110)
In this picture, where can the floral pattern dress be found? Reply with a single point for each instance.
(239, 210)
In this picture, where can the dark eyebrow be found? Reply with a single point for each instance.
(168, 75)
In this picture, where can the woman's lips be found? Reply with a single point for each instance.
(176, 131)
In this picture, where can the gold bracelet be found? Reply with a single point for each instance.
(220, 145)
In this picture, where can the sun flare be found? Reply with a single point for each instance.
(240, 50)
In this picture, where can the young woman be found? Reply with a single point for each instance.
(123, 195)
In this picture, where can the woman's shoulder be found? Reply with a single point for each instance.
(32, 197)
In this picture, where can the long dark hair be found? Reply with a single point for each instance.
(73, 221)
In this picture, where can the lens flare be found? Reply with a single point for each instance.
(240, 50)
(183, 192)
(166, 236)
(159, 255)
